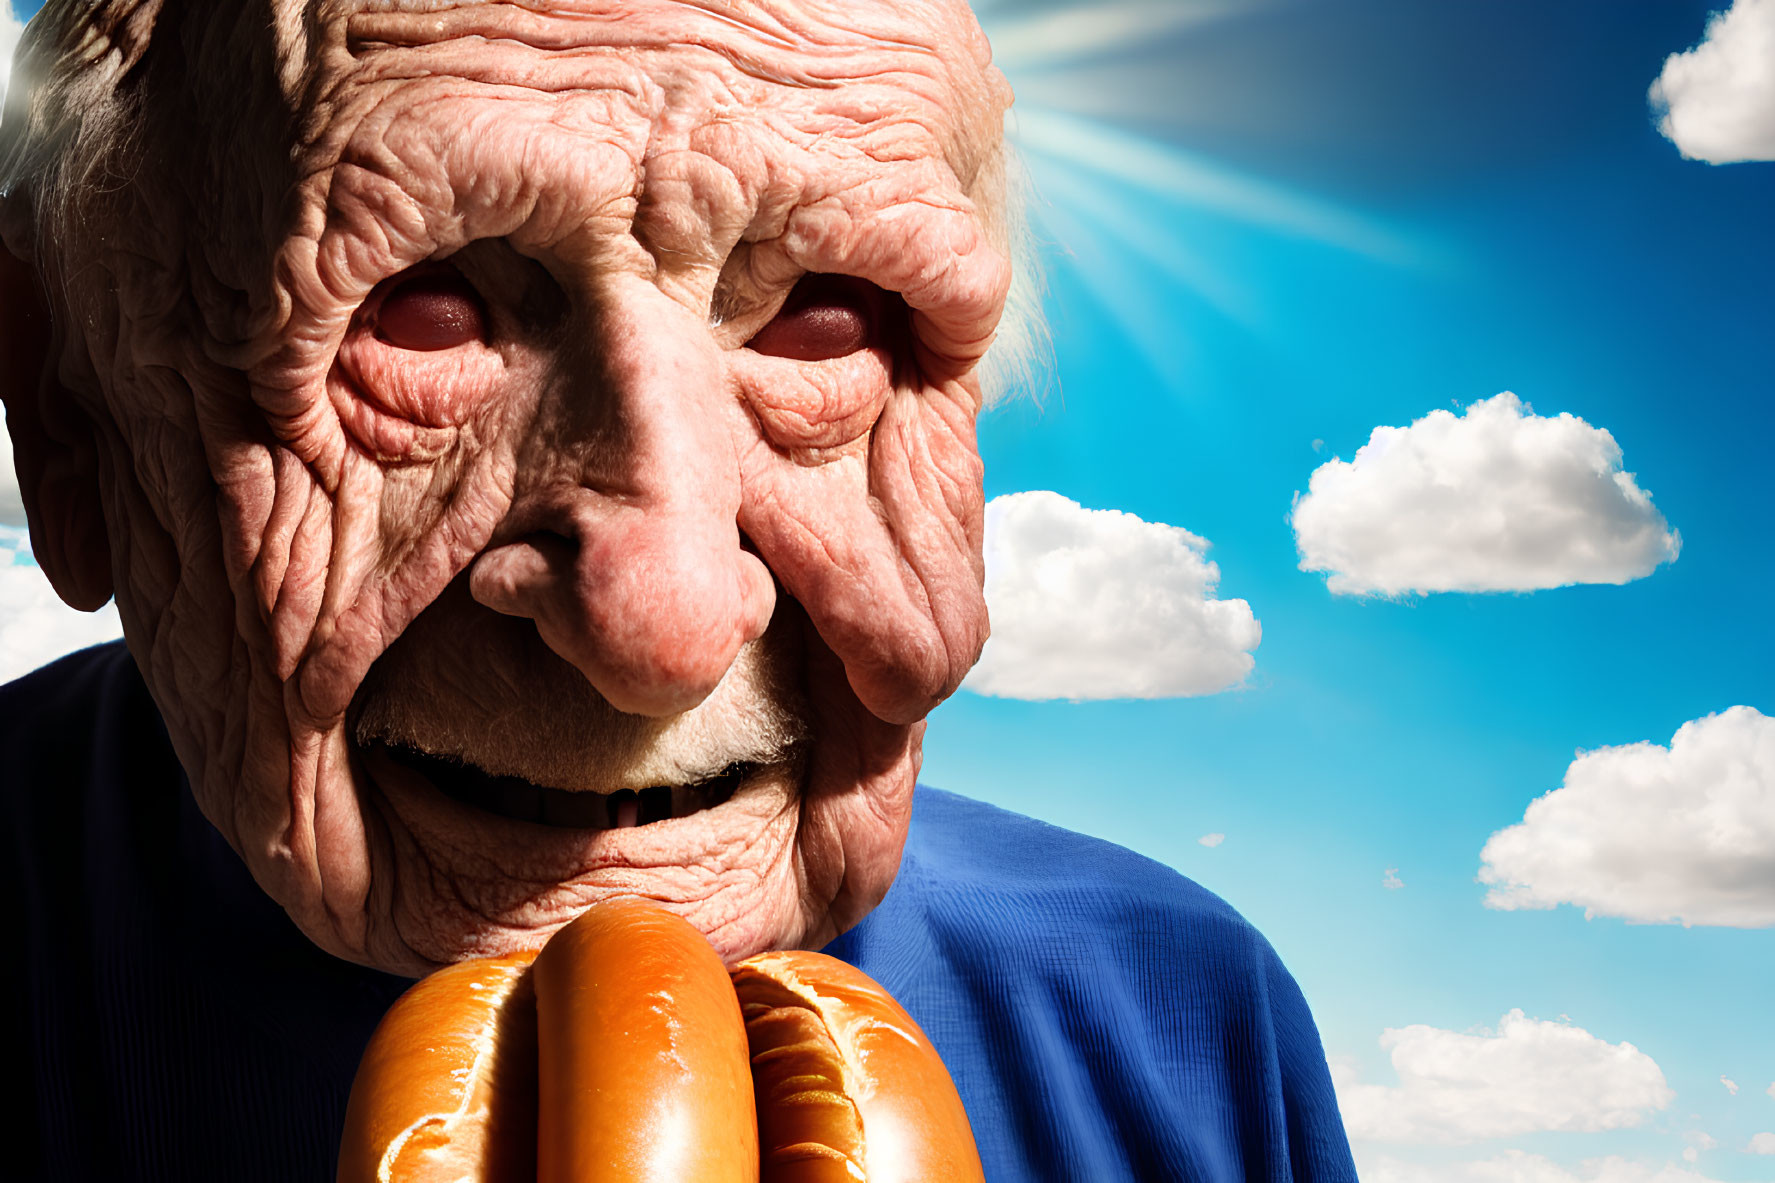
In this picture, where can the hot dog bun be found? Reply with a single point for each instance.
(642, 1063)
(447, 1088)
(626, 1054)
(849, 1088)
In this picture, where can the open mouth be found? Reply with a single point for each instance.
(517, 799)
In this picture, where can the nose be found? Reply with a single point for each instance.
(629, 558)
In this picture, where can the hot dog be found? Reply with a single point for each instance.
(627, 1053)
(849, 1088)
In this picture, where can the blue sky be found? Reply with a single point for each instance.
(1270, 228)
(1509, 218)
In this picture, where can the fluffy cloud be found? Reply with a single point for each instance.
(1716, 102)
(35, 626)
(1211, 840)
(1515, 1166)
(1096, 603)
(1495, 499)
(1391, 880)
(1652, 834)
(1529, 1075)
(1761, 1144)
(1731, 1085)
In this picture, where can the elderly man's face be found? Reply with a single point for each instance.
(598, 509)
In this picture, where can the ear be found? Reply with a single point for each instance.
(52, 447)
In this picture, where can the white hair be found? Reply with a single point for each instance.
(69, 127)
(1019, 359)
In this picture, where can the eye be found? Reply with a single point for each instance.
(826, 316)
(430, 311)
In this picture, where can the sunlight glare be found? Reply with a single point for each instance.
(1124, 210)
(1025, 43)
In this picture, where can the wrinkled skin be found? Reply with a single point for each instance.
(482, 423)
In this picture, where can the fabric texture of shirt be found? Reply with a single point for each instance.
(1103, 1017)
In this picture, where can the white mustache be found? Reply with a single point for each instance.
(531, 715)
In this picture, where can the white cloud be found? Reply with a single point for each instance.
(1716, 102)
(1096, 603)
(35, 626)
(1211, 840)
(1770, 1090)
(1699, 1142)
(1731, 1085)
(1391, 880)
(1529, 1075)
(10, 28)
(1516, 1166)
(1495, 499)
(1761, 1144)
(1651, 834)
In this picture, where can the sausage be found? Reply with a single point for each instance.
(642, 1063)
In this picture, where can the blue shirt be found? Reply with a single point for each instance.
(1103, 1017)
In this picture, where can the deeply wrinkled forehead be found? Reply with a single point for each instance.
(827, 65)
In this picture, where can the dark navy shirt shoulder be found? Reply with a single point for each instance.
(174, 1022)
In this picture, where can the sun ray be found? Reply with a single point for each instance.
(1022, 44)
(1134, 214)
(1165, 170)
(1142, 232)
(1112, 278)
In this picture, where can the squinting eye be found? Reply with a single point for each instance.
(436, 310)
(826, 316)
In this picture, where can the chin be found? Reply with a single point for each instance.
(479, 797)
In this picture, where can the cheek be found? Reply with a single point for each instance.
(812, 407)
(880, 543)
